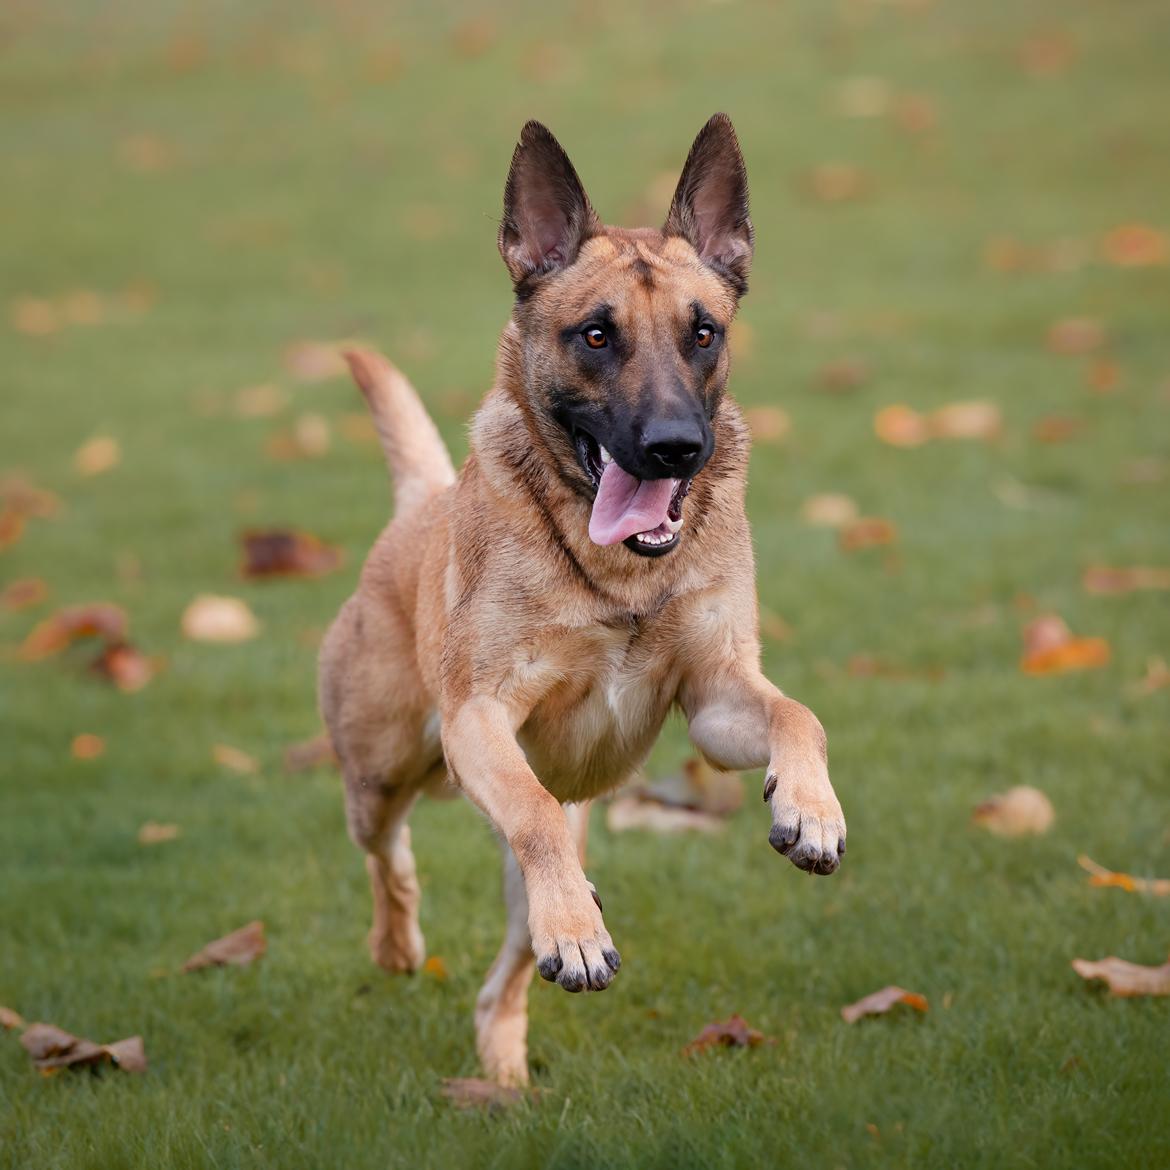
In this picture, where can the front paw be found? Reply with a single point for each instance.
(809, 831)
(569, 939)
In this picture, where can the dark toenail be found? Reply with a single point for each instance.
(550, 967)
(769, 788)
(613, 959)
(574, 982)
(597, 900)
(782, 838)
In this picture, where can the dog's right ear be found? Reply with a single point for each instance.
(547, 215)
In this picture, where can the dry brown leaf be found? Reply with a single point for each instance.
(829, 510)
(1100, 876)
(978, 419)
(1101, 579)
(436, 968)
(124, 665)
(310, 753)
(11, 527)
(210, 618)
(900, 426)
(51, 636)
(1125, 978)
(1050, 648)
(1104, 376)
(836, 182)
(238, 948)
(880, 1002)
(768, 424)
(87, 747)
(1019, 812)
(1076, 335)
(1156, 677)
(842, 376)
(83, 306)
(232, 758)
(260, 401)
(35, 317)
(24, 592)
(916, 113)
(476, 1093)
(1056, 428)
(315, 361)
(97, 455)
(1136, 245)
(734, 1032)
(154, 833)
(282, 552)
(631, 812)
(10, 1019)
(26, 499)
(867, 532)
(53, 1049)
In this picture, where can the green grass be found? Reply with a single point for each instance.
(311, 190)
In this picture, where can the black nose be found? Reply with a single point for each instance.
(673, 446)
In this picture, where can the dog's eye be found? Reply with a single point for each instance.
(595, 338)
(704, 335)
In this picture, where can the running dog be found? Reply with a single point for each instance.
(522, 629)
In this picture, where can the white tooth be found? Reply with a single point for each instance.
(674, 525)
(606, 457)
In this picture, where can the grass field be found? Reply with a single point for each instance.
(228, 180)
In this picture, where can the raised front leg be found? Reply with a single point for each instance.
(569, 938)
(739, 720)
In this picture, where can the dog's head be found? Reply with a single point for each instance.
(621, 335)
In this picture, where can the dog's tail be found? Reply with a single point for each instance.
(419, 463)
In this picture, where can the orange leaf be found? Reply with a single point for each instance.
(1135, 245)
(11, 527)
(1055, 428)
(125, 666)
(1100, 876)
(867, 532)
(979, 419)
(35, 317)
(229, 757)
(282, 552)
(88, 747)
(1103, 580)
(260, 401)
(1050, 648)
(880, 1002)
(10, 1019)
(238, 948)
(153, 833)
(436, 967)
(23, 593)
(1019, 812)
(97, 455)
(1125, 978)
(730, 1033)
(836, 182)
(900, 426)
(51, 636)
(1103, 376)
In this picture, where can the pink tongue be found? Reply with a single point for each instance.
(625, 505)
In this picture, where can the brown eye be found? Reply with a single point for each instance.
(704, 335)
(595, 338)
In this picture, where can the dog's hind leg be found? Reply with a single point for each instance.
(501, 1010)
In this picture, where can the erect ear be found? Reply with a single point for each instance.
(547, 215)
(710, 206)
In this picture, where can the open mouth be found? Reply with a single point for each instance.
(644, 515)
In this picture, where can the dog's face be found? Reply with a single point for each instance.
(623, 333)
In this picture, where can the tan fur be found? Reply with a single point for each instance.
(490, 640)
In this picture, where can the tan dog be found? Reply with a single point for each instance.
(524, 628)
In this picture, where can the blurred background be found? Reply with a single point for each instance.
(954, 357)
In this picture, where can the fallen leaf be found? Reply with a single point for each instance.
(210, 618)
(768, 424)
(1050, 648)
(1156, 677)
(867, 532)
(1103, 376)
(1076, 335)
(733, 1032)
(87, 747)
(1056, 428)
(1100, 876)
(880, 1002)
(260, 401)
(473, 37)
(26, 499)
(829, 510)
(236, 760)
(475, 1093)
(51, 636)
(283, 552)
(35, 317)
(309, 438)
(900, 426)
(358, 429)
(238, 948)
(24, 592)
(1125, 978)
(1101, 579)
(315, 361)
(154, 833)
(124, 665)
(97, 455)
(1135, 245)
(434, 966)
(10, 1019)
(1047, 53)
(53, 1049)
(11, 527)
(836, 182)
(842, 375)
(915, 113)
(83, 306)
(979, 419)
(310, 753)
(631, 812)
(1019, 812)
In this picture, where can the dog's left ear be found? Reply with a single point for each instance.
(547, 215)
(710, 206)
